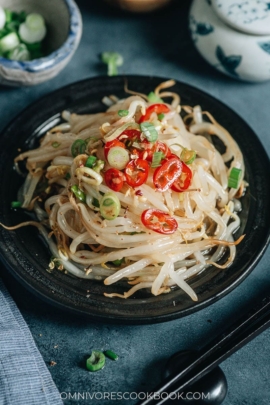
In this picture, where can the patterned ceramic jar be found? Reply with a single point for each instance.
(233, 36)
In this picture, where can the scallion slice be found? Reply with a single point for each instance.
(111, 355)
(79, 193)
(2, 18)
(33, 29)
(110, 206)
(123, 113)
(188, 156)
(113, 60)
(118, 157)
(9, 42)
(19, 53)
(234, 177)
(153, 98)
(78, 147)
(161, 116)
(149, 131)
(96, 361)
(156, 159)
(91, 161)
(16, 204)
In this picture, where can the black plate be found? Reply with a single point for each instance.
(26, 257)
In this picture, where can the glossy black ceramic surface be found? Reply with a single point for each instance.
(26, 256)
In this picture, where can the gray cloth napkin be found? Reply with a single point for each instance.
(24, 377)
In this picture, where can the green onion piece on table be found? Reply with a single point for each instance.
(111, 355)
(113, 60)
(110, 206)
(234, 178)
(188, 156)
(96, 361)
(78, 193)
(149, 131)
(91, 161)
(78, 147)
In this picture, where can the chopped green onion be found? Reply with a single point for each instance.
(95, 202)
(113, 60)
(188, 156)
(16, 204)
(56, 144)
(234, 177)
(9, 42)
(110, 206)
(8, 16)
(96, 361)
(153, 98)
(111, 355)
(149, 131)
(91, 161)
(79, 193)
(123, 113)
(99, 166)
(33, 29)
(118, 262)
(118, 157)
(19, 53)
(67, 176)
(161, 116)
(157, 158)
(78, 147)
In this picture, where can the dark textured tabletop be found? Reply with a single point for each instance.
(157, 44)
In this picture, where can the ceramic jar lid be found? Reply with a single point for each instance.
(250, 16)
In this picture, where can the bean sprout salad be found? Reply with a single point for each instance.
(137, 194)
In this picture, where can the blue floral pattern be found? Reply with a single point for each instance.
(246, 11)
(265, 46)
(199, 28)
(229, 63)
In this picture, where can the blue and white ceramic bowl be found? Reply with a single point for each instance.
(64, 29)
(233, 36)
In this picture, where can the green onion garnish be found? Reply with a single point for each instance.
(78, 193)
(153, 98)
(118, 157)
(234, 177)
(188, 156)
(113, 60)
(118, 262)
(110, 206)
(149, 131)
(78, 147)
(111, 355)
(95, 202)
(9, 42)
(56, 144)
(67, 176)
(157, 158)
(96, 361)
(91, 161)
(123, 113)
(161, 116)
(33, 29)
(16, 204)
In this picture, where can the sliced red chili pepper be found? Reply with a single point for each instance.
(114, 179)
(158, 221)
(136, 172)
(132, 134)
(157, 108)
(165, 175)
(182, 183)
(111, 144)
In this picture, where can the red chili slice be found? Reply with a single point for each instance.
(158, 221)
(114, 179)
(157, 108)
(136, 172)
(165, 175)
(132, 135)
(111, 144)
(182, 183)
